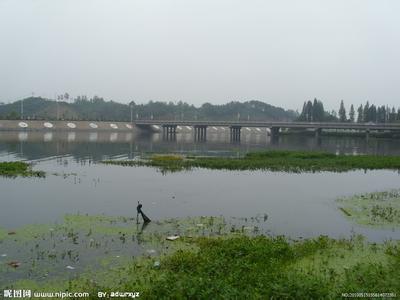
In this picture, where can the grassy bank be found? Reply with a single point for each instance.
(238, 266)
(287, 161)
(265, 268)
(210, 260)
(14, 169)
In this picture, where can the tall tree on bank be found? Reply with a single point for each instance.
(309, 109)
(360, 114)
(365, 112)
(342, 112)
(392, 115)
(314, 112)
(303, 114)
(352, 114)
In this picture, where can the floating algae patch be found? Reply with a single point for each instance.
(84, 244)
(379, 209)
(337, 256)
(29, 232)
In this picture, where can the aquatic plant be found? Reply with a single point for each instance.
(213, 258)
(18, 168)
(379, 209)
(287, 161)
(262, 268)
(81, 240)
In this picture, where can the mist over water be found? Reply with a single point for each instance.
(95, 146)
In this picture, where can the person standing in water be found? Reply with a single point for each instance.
(139, 211)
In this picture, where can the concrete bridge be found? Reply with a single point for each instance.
(169, 127)
(200, 127)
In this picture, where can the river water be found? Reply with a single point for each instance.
(297, 205)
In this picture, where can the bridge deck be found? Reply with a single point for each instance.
(305, 125)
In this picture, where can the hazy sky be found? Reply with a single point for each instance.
(282, 52)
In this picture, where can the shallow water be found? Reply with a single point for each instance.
(297, 205)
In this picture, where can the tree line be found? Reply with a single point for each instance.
(98, 109)
(313, 111)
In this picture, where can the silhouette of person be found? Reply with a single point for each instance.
(139, 211)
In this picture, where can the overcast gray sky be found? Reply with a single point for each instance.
(282, 52)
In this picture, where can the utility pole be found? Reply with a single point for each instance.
(58, 110)
(131, 112)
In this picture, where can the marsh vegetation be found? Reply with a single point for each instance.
(14, 169)
(212, 259)
(286, 161)
(378, 209)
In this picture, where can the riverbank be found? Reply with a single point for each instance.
(207, 259)
(286, 161)
(14, 169)
(266, 268)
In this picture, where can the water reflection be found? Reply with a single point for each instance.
(48, 137)
(93, 136)
(71, 136)
(113, 137)
(80, 144)
(22, 136)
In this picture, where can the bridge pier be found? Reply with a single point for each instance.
(235, 133)
(200, 133)
(318, 132)
(275, 131)
(169, 132)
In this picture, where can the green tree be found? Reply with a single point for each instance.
(13, 115)
(303, 115)
(392, 115)
(342, 112)
(373, 114)
(360, 114)
(309, 109)
(318, 111)
(352, 114)
(365, 112)
(381, 114)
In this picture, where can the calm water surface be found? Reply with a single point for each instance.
(298, 205)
